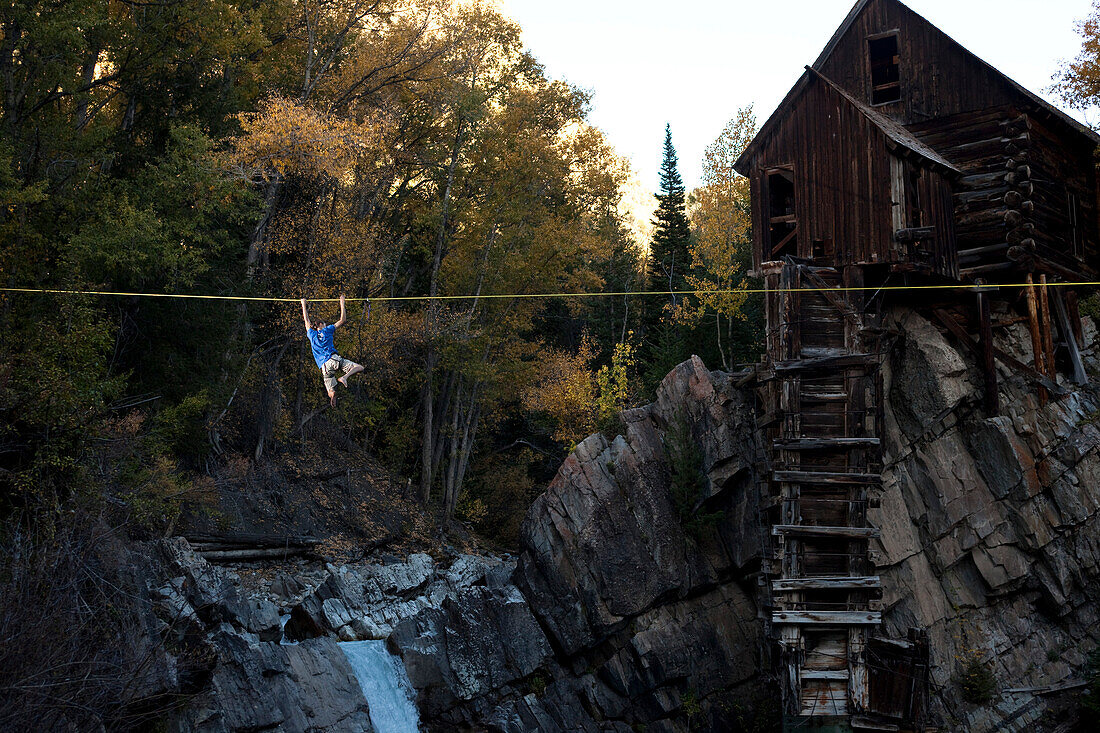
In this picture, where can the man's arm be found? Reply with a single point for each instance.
(343, 313)
(305, 314)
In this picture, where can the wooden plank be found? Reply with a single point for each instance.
(809, 530)
(989, 364)
(831, 618)
(826, 477)
(826, 364)
(836, 582)
(823, 674)
(1046, 328)
(807, 444)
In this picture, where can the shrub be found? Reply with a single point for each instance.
(75, 652)
(1090, 700)
(688, 482)
(976, 681)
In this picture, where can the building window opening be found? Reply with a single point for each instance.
(782, 222)
(1076, 236)
(914, 212)
(885, 69)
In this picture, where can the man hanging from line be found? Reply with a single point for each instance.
(324, 352)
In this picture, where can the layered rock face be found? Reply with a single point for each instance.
(989, 531)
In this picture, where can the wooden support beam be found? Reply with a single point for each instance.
(1036, 337)
(785, 241)
(985, 269)
(1074, 315)
(914, 234)
(840, 582)
(254, 554)
(809, 530)
(828, 618)
(826, 477)
(1046, 327)
(1080, 376)
(989, 365)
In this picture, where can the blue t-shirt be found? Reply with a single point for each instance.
(321, 341)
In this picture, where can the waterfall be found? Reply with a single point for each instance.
(282, 625)
(385, 685)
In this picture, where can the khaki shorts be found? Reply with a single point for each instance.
(333, 368)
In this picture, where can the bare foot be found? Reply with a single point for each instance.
(332, 398)
(343, 380)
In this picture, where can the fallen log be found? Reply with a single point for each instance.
(244, 540)
(255, 554)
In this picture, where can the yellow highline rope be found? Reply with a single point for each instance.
(642, 293)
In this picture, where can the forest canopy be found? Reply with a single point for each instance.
(308, 148)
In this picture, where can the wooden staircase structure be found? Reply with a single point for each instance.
(820, 397)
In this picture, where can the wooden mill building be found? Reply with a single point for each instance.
(898, 158)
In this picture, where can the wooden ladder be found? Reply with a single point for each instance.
(822, 386)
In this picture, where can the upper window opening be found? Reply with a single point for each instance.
(885, 69)
(782, 221)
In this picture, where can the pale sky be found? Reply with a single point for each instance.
(693, 63)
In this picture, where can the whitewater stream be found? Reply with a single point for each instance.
(385, 684)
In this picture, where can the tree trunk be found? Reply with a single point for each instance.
(256, 253)
(461, 454)
(426, 432)
(432, 358)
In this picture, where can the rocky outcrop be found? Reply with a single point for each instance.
(989, 531)
(614, 617)
(605, 542)
(627, 609)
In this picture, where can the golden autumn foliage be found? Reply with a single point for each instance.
(1078, 82)
(565, 392)
(287, 137)
(721, 223)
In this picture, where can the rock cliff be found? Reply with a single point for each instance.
(619, 613)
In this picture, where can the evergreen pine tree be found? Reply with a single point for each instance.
(670, 255)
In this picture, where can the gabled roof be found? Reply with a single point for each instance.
(1034, 98)
(894, 132)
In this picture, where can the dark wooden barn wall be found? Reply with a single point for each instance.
(1057, 168)
(842, 184)
(938, 78)
(970, 114)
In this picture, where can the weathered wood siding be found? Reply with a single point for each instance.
(1020, 162)
(842, 174)
(938, 77)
